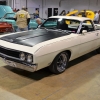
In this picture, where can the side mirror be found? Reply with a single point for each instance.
(84, 31)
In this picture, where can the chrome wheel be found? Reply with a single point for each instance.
(62, 62)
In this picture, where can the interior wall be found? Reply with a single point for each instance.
(71, 4)
(18, 4)
(33, 4)
(67, 5)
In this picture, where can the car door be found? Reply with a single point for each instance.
(88, 37)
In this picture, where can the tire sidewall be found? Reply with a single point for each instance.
(55, 63)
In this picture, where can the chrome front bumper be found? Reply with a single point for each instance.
(27, 67)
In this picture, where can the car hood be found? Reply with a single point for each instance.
(31, 38)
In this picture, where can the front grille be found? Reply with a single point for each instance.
(9, 52)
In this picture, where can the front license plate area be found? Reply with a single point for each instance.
(8, 62)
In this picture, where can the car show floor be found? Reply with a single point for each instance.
(81, 81)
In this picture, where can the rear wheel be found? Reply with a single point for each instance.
(60, 63)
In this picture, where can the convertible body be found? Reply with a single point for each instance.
(59, 39)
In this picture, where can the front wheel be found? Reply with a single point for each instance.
(60, 63)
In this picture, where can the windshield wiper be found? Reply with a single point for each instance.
(65, 31)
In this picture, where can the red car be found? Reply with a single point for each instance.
(5, 27)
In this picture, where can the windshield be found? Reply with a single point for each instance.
(60, 23)
(9, 16)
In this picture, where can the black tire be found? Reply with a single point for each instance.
(98, 50)
(60, 63)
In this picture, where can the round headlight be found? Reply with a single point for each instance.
(22, 56)
(29, 58)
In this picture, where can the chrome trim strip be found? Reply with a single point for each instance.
(30, 68)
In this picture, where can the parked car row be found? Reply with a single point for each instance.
(9, 18)
(7, 15)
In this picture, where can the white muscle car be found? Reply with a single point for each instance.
(57, 41)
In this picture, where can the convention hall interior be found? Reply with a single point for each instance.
(49, 49)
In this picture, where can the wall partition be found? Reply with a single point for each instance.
(43, 5)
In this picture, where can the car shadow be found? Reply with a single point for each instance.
(38, 75)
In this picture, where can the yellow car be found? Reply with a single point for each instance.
(89, 14)
(72, 13)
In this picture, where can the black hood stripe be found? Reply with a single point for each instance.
(31, 38)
